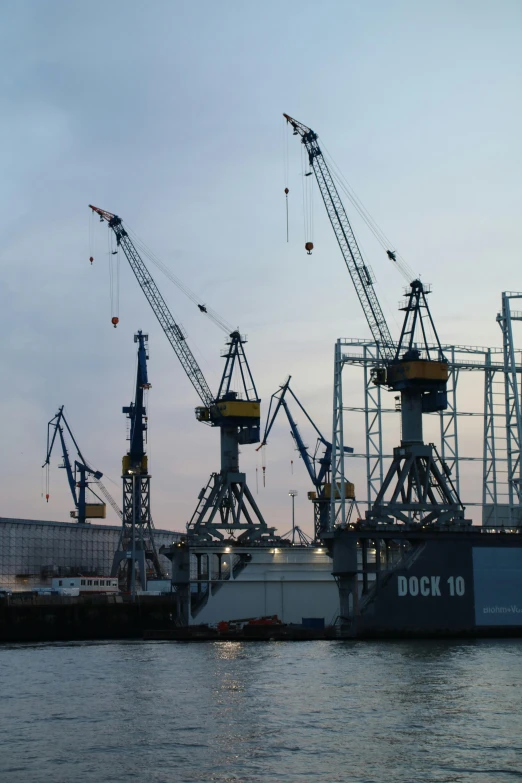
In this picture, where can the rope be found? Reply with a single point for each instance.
(286, 172)
(91, 245)
(197, 300)
(117, 281)
(378, 233)
(303, 187)
(286, 198)
(312, 191)
(114, 275)
(285, 152)
(111, 285)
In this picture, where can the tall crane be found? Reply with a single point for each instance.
(318, 465)
(226, 505)
(136, 546)
(79, 473)
(418, 370)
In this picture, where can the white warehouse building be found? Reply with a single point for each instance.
(34, 551)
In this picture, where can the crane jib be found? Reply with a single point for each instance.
(172, 330)
(358, 270)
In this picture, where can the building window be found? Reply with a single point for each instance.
(95, 582)
(83, 582)
(60, 582)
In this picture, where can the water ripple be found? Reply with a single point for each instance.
(227, 712)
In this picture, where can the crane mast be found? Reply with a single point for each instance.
(136, 547)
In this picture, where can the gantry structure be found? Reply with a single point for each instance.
(501, 369)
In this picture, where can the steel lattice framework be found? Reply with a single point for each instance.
(512, 398)
(501, 503)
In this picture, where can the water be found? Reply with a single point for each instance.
(230, 712)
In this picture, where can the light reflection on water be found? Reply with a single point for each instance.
(230, 712)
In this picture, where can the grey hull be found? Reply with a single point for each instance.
(428, 583)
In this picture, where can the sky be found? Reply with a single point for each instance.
(170, 114)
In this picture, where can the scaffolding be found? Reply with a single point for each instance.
(507, 509)
(501, 496)
(33, 551)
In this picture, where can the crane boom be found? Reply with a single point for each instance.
(318, 467)
(108, 497)
(77, 472)
(279, 396)
(359, 272)
(173, 331)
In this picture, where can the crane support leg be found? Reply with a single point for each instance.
(136, 548)
(226, 506)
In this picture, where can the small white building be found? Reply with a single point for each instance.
(86, 584)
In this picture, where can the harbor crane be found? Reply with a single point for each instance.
(420, 484)
(79, 474)
(318, 465)
(136, 546)
(226, 506)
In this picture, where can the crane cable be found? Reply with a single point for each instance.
(212, 314)
(114, 277)
(378, 233)
(285, 173)
(308, 200)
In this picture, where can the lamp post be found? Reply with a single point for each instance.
(293, 493)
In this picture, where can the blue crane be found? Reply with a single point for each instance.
(318, 465)
(77, 473)
(136, 410)
(136, 545)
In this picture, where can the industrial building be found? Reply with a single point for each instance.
(32, 551)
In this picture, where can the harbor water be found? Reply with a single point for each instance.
(230, 712)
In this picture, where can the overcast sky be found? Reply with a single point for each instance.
(170, 114)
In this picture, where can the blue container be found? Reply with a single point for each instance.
(312, 622)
